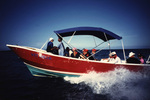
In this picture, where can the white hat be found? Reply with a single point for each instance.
(131, 54)
(51, 39)
(113, 53)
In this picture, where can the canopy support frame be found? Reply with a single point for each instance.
(94, 41)
(97, 52)
(72, 36)
(71, 45)
(98, 45)
(107, 42)
(123, 50)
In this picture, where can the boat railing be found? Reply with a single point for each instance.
(148, 60)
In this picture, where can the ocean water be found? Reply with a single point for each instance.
(17, 83)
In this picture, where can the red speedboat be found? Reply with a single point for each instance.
(41, 62)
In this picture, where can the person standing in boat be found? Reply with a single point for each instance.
(50, 45)
(61, 48)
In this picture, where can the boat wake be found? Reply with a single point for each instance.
(117, 84)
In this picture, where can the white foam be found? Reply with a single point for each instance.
(118, 84)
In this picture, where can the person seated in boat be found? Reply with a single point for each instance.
(75, 54)
(115, 58)
(109, 59)
(67, 52)
(93, 53)
(86, 54)
(50, 45)
(132, 58)
(55, 50)
(61, 48)
(70, 52)
(140, 56)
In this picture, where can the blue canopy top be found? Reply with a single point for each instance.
(97, 32)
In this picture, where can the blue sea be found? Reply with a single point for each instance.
(17, 83)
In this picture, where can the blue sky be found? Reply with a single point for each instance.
(32, 22)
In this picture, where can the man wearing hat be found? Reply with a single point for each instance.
(110, 59)
(132, 58)
(50, 45)
(115, 59)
